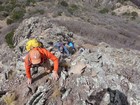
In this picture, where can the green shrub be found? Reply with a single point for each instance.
(40, 11)
(133, 18)
(104, 10)
(88, 20)
(113, 13)
(64, 3)
(126, 14)
(1, 2)
(28, 2)
(9, 21)
(1, 8)
(59, 13)
(134, 14)
(17, 14)
(9, 39)
(13, 2)
(9, 7)
(72, 8)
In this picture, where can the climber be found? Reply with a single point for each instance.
(40, 57)
(61, 47)
(71, 48)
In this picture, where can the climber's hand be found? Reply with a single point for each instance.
(55, 75)
(29, 81)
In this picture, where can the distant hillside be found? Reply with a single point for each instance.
(105, 15)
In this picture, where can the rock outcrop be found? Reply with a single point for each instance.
(104, 70)
(92, 75)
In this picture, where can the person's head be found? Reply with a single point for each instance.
(69, 40)
(35, 56)
(70, 34)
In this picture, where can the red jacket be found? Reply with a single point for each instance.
(44, 55)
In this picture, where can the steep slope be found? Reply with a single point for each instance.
(113, 30)
(88, 77)
(106, 63)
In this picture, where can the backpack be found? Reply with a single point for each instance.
(33, 43)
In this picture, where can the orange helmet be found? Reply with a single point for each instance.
(35, 56)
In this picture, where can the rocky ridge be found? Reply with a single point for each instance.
(87, 78)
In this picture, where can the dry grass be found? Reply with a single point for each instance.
(56, 92)
(11, 74)
(10, 98)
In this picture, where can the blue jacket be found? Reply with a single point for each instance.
(60, 45)
(71, 44)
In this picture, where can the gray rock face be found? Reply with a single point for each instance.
(30, 28)
(8, 62)
(112, 66)
(104, 67)
(37, 27)
(92, 89)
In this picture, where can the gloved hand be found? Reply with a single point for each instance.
(55, 75)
